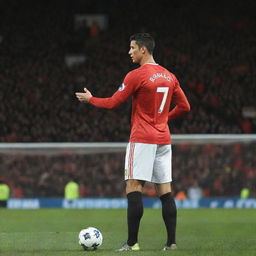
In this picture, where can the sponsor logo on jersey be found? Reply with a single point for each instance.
(121, 87)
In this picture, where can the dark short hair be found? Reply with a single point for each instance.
(144, 39)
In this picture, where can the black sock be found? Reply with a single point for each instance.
(169, 213)
(134, 214)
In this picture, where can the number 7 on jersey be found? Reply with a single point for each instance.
(165, 91)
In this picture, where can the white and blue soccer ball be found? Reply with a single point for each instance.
(90, 238)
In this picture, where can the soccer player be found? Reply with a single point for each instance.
(148, 154)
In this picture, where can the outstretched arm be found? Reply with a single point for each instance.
(124, 91)
(109, 103)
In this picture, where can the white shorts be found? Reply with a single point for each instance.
(148, 162)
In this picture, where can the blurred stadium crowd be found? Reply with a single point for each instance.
(210, 47)
(218, 170)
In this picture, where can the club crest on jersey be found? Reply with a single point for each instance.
(121, 88)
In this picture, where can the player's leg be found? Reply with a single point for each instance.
(169, 213)
(134, 213)
(162, 177)
(134, 209)
(138, 169)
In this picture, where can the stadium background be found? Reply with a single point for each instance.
(209, 45)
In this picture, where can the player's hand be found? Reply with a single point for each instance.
(84, 96)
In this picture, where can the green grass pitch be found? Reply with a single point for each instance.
(54, 232)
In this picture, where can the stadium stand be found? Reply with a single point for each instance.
(219, 169)
(210, 47)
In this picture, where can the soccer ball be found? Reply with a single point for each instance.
(90, 238)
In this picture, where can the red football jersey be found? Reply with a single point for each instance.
(153, 88)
